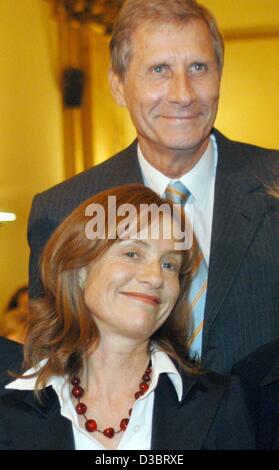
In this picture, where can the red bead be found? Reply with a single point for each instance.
(81, 408)
(146, 377)
(91, 425)
(144, 387)
(77, 391)
(123, 424)
(109, 432)
(138, 394)
(75, 381)
(148, 370)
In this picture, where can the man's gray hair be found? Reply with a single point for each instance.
(135, 13)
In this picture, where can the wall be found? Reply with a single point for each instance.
(111, 125)
(249, 105)
(31, 147)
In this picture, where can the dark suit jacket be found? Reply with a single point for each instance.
(211, 415)
(242, 304)
(10, 355)
(259, 373)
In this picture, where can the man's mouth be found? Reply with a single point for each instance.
(180, 118)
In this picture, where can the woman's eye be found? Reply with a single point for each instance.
(169, 266)
(131, 254)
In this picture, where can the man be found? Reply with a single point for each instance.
(166, 65)
(259, 374)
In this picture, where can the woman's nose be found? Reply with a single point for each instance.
(151, 274)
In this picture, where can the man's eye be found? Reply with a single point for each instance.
(198, 67)
(159, 69)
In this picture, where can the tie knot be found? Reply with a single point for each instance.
(177, 193)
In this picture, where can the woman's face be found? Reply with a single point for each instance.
(133, 287)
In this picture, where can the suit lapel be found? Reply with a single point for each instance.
(238, 209)
(44, 428)
(184, 425)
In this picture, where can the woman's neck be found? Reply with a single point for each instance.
(115, 368)
(111, 378)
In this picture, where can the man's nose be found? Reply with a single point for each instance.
(151, 274)
(181, 89)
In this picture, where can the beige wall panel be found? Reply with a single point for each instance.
(249, 104)
(31, 148)
(112, 128)
(238, 14)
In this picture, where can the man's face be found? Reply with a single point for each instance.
(171, 87)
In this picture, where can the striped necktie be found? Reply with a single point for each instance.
(179, 194)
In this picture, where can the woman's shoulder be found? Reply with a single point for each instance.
(11, 359)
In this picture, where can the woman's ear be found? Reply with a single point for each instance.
(117, 88)
(82, 277)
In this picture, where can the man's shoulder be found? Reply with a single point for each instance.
(261, 366)
(247, 159)
(205, 380)
(242, 150)
(97, 178)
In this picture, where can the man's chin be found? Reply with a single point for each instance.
(183, 145)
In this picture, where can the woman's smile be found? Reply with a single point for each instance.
(149, 299)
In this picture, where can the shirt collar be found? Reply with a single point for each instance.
(30, 383)
(197, 180)
(161, 364)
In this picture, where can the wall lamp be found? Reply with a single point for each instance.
(7, 217)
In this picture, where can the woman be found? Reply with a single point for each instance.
(107, 344)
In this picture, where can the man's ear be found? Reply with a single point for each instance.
(117, 88)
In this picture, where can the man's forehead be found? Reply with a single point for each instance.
(149, 40)
(148, 26)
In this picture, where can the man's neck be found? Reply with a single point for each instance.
(172, 163)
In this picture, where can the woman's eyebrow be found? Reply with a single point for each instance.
(135, 241)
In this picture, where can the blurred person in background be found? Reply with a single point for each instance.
(14, 318)
(19, 299)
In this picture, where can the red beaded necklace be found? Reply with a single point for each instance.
(90, 424)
